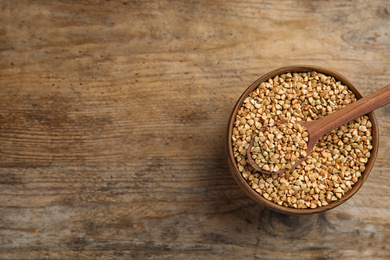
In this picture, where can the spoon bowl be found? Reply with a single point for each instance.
(259, 169)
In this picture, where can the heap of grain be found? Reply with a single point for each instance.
(337, 160)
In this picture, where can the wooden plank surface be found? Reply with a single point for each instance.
(113, 117)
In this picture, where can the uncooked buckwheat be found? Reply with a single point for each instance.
(337, 160)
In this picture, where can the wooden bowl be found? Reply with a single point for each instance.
(259, 198)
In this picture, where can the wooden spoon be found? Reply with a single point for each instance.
(318, 128)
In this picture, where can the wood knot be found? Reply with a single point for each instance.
(288, 226)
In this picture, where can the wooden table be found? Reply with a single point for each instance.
(113, 117)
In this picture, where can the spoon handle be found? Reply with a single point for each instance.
(352, 111)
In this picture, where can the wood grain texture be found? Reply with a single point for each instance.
(113, 117)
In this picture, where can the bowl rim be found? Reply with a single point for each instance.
(256, 196)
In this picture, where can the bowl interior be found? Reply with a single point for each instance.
(260, 199)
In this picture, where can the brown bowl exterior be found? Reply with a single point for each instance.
(260, 199)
